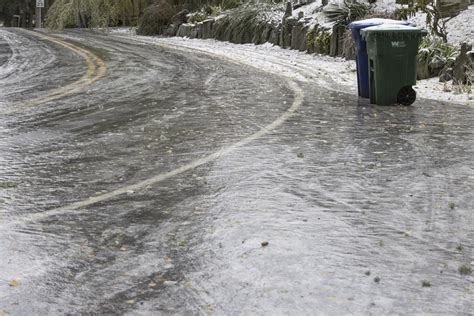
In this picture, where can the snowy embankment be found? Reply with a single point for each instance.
(297, 65)
(459, 28)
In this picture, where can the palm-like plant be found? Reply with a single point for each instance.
(347, 12)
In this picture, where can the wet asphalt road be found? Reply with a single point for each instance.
(149, 188)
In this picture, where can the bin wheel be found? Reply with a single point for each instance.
(406, 96)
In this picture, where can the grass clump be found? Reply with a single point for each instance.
(241, 24)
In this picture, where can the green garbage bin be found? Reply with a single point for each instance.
(392, 51)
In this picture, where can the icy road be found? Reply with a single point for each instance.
(149, 178)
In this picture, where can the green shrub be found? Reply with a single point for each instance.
(318, 40)
(230, 4)
(156, 17)
(433, 56)
(93, 13)
(323, 42)
(64, 14)
(215, 10)
(197, 17)
(311, 39)
(404, 13)
(241, 24)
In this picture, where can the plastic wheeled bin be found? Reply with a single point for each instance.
(392, 51)
(361, 50)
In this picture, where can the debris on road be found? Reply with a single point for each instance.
(14, 283)
(8, 185)
(465, 269)
(425, 283)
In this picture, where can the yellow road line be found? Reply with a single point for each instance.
(297, 102)
(96, 69)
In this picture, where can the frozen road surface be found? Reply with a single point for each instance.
(153, 179)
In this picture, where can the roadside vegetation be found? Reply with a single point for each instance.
(94, 13)
(156, 17)
(105, 13)
(256, 21)
(347, 12)
(435, 56)
(247, 23)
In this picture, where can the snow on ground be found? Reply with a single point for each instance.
(288, 63)
(460, 28)
(335, 73)
(309, 9)
(385, 6)
(120, 30)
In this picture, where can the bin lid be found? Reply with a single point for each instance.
(391, 30)
(377, 21)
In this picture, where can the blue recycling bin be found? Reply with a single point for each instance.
(361, 50)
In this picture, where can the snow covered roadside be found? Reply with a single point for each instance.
(289, 63)
(460, 28)
(334, 73)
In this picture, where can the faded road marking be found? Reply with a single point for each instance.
(298, 100)
(96, 69)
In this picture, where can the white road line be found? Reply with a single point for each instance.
(297, 102)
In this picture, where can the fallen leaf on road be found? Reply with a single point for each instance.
(14, 283)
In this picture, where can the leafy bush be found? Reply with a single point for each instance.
(434, 55)
(156, 17)
(197, 17)
(62, 14)
(93, 13)
(311, 38)
(346, 12)
(318, 40)
(404, 13)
